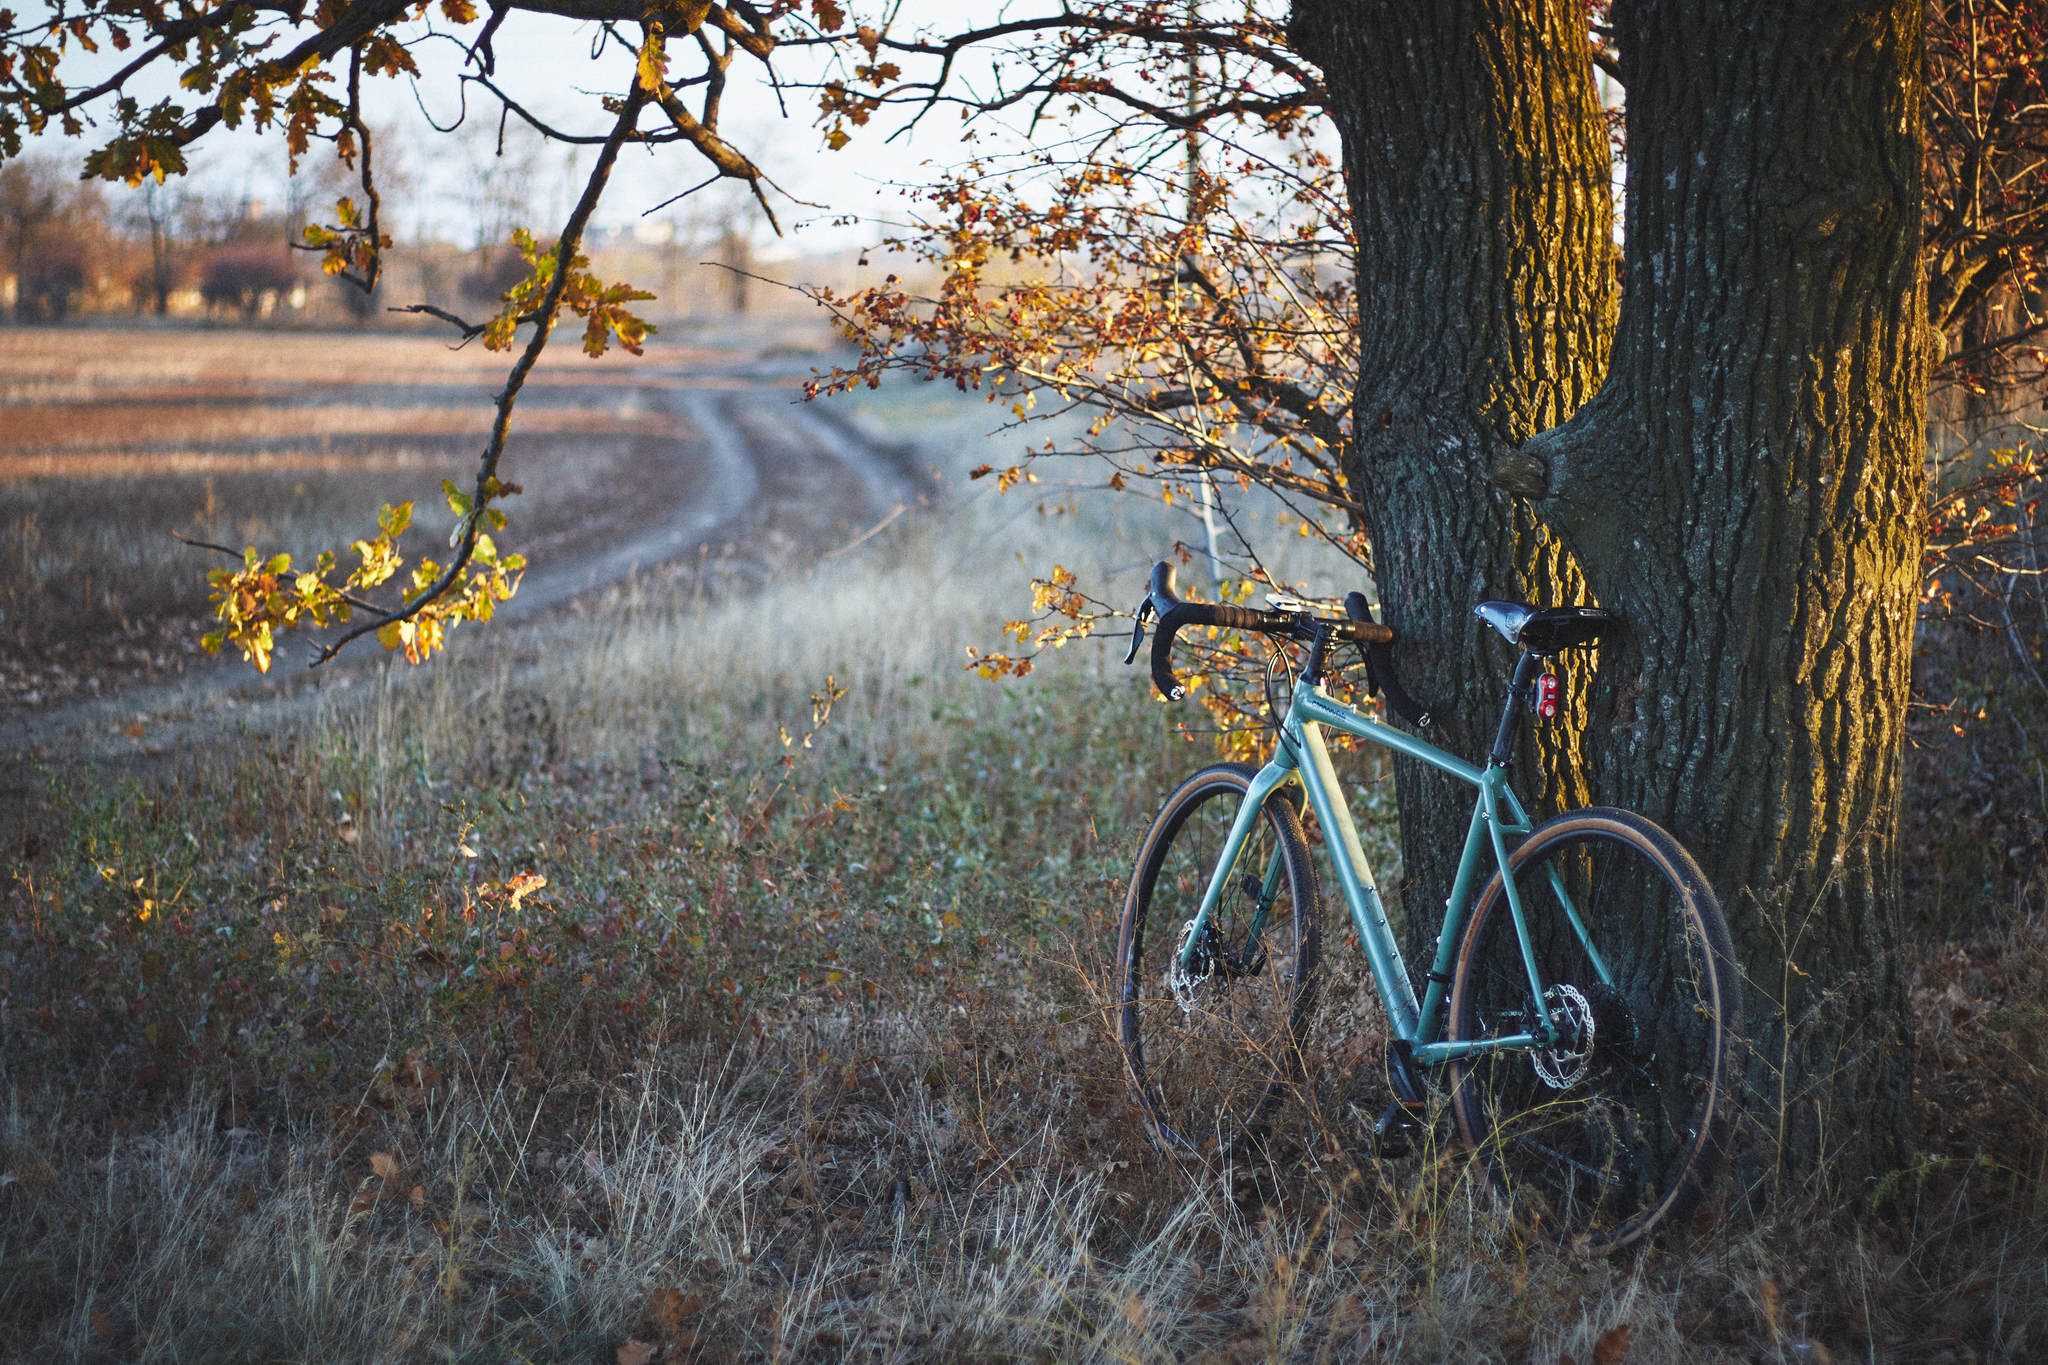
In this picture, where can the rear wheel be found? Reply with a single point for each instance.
(1214, 1048)
(1612, 1130)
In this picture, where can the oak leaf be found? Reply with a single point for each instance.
(1612, 1346)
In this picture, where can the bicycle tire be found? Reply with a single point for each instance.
(1210, 1077)
(1600, 1141)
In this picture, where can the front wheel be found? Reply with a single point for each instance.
(1612, 1128)
(1213, 1047)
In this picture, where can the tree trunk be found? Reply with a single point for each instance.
(1479, 182)
(1746, 492)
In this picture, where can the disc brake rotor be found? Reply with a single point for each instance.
(1565, 1065)
(1182, 982)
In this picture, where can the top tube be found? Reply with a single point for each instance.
(1313, 706)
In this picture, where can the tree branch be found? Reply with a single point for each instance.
(487, 471)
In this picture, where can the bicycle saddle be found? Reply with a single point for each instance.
(1546, 630)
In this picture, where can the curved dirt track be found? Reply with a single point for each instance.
(742, 463)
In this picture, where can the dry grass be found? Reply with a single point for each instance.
(799, 1054)
(786, 1062)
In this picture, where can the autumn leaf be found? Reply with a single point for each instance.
(638, 1352)
(1612, 1347)
(384, 1166)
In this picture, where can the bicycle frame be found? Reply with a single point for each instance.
(1497, 815)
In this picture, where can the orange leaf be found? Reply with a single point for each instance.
(1612, 1346)
(524, 885)
(384, 1165)
(638, 1352)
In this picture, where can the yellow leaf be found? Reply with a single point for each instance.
(653, 61)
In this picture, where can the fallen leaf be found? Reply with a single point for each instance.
(1612, 1346)
(384, 1165)
(638, 1352)
(667, 1309)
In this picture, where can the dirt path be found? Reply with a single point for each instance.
(748, 466)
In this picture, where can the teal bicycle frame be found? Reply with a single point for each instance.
(1497, 816)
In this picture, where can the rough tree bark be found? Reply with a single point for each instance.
(1746, 491)
(1479, 183)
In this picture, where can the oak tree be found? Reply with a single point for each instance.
(1744, 489)
(1741, 478)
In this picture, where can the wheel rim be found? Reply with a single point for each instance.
(1622, 1145)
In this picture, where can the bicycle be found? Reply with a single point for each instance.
(1579, 1007)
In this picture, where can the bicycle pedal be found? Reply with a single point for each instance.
(1394, 1132)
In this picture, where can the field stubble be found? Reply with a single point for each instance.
(116, 441)
(628, 991)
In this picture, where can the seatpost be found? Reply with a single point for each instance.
(1518, 696)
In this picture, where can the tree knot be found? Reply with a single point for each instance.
(1522, 474)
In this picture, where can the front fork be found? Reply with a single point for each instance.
(1201, 951)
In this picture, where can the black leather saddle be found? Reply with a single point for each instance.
(1547, 630)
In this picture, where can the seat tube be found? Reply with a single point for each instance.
(1538, 987)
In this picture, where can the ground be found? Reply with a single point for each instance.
(700, 963)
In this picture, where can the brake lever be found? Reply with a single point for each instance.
(1138, 629)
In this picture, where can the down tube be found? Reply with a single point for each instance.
(1368, 915)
